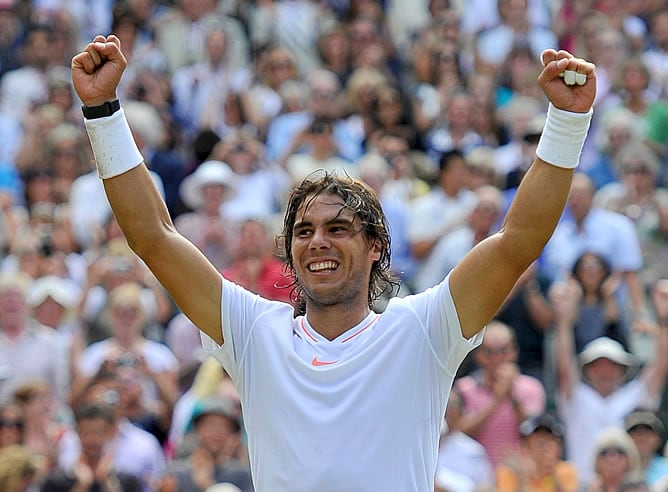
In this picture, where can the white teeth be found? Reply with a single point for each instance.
(322, 265)
(580, 78)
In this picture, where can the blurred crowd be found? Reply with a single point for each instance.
(434, 103)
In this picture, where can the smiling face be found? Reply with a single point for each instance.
(332, 256)
(336, 242)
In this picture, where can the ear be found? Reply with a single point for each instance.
(376, 251)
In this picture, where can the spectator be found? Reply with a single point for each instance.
(615, 129)
(94, 469)
(599, 312)
(180, 35)
(210, 459)
(538, 465)
(639, 197)
(493, 45)
(133, 451)
(461, 459)
(18, 470)
(614, 457)
(588, 227)
(260, 184)
(201, 89)
(528, 312)
(204, 192)
(453, 128)
(322, 152)
(113, 266)
(334, 50)
(54, 304)
(326, 100)
(633, 93)
(26, 351)
(656, 55)
(436, 214)
(497, 397)
(479, 224)
(46, 429)
(599, 388)
(647, 432)
(149, 366)
(11, 425)
(25, 86)
(261, 100)
(255, 267)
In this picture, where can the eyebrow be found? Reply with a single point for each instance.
(338, 219)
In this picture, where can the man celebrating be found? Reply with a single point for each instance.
(338, 397)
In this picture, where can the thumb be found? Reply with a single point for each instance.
(554, 68)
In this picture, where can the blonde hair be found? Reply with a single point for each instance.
(16, 463)
(129, 292)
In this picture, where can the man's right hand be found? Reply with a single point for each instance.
(97, 70)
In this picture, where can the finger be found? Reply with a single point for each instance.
(113, 39)
(109, 49)
(547, 56)
(95, 56)
(84, 61)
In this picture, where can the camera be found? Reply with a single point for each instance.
(127, 360)
(320, 126)
(121, 265)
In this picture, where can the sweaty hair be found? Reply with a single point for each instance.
(360, 199)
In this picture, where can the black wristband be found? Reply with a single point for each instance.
(106, 109)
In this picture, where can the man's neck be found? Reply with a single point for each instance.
(331, 322)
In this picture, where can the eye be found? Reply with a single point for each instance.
(302, 232)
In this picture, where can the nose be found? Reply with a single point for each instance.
(319, 239)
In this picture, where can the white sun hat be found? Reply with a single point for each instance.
(54, 287)
(208, 173)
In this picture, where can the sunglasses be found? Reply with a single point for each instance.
(16, 424)
(613, 451)
(636, 170)
(489, 351)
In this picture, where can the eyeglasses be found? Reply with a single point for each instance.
(612, 451)
(489, 351)
(15, 424)
(636, 170)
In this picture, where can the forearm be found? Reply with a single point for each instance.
(139, 209)
(565, 353)
(536, 209)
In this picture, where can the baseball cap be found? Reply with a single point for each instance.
(606, 348)
(544, 421)
(645, 418)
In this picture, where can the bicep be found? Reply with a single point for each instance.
(481, 282)
(191, 280)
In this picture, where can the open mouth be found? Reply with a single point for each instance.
(323, 266)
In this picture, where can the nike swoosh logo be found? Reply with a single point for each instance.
(318, 363)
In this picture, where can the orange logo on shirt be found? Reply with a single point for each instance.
(317, 362)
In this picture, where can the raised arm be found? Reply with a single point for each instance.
(191, 280)
(483, 279)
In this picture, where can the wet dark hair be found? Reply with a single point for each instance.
(360, 199)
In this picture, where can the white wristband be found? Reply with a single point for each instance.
(563, 137)
(114, 147)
